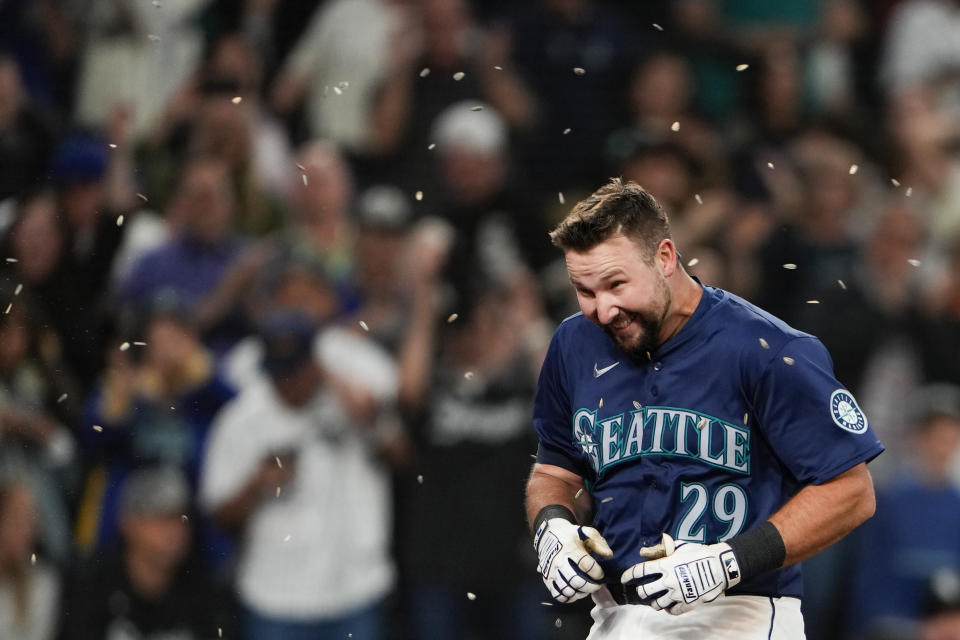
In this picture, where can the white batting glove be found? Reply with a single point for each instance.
(685, 575)
(568, 569)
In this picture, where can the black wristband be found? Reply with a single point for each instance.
(553, 511)
(758, 550)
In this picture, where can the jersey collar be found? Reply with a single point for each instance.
(691, 329)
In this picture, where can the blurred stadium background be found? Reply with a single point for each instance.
(276, 286)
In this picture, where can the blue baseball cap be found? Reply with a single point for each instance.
(80, 159)
(287, 338)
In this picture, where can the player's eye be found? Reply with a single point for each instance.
(616, 284)
(585, 292)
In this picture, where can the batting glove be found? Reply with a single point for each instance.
(683, 575)
(566, 564)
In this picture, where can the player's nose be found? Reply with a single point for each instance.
(607, 308)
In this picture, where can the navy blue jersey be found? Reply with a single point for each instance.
(707, 438)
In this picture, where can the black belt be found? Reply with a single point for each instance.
(623, 594)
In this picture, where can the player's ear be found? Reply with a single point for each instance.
(666, 257)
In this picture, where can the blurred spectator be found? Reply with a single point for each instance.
(299, 286)
(155, 405)
(319, 231)
(32, 374)
(235, 62)
(148, 231)
(834, 60)
(471, 404)
(36, 243)
(218, 114)
(437, 61)
(921, 45)
(740, 244)
(892, 367)
(659, 93)
(45, 39)
(320, 210)
(499, 229)
(148, 587)
(552, 40)
(194, 260)
(664, 168)
(712, 52)
(26, 138)
(709, 265)
(336, 66)
(136, 53)
(755, 23)
(35, 404)
(282, 284)
(271, 27)
(293, 467)
(94, 190)
(224, 131)
(924, 129)
(669, 171)
(658, 96)
(871, 322)
(916, 530)
(775, 113)
(818, 236)
(940, 336)
(29, 587)
(428, 252)
(64, 243)
(382, 242)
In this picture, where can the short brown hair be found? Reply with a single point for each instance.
(613, 209)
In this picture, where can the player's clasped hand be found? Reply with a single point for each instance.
(566, 564)
(683, 575)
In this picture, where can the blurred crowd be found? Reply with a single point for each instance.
(276, 285)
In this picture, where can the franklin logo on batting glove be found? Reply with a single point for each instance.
(548, 548)
(688, 575)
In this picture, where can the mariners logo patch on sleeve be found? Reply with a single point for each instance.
(845, 412)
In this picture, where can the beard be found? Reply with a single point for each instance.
(650, 322)
(643, 344)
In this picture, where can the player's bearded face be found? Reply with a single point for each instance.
(637, 331)
(625, 294)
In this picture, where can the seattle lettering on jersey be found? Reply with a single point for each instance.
(661, 431)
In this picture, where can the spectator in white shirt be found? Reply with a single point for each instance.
(294, 466)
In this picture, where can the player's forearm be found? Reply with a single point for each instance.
(820, 515)
(550, 485)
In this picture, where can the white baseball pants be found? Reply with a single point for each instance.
(727, 618)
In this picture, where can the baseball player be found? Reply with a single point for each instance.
(706, 441)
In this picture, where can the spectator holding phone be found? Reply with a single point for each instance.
(155, 405)
(293, 465)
